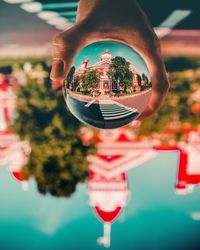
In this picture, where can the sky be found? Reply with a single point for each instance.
(93, 52)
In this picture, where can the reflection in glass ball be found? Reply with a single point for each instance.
(108, 85)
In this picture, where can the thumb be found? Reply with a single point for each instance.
(57, 71)
(159, 91)
(65, 47)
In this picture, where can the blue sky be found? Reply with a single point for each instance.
(93, 51)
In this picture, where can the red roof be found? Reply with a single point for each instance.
(166, 147)
(18, 176)
(123, 137)
(109, 158)
(108, 216)
(93, 175)
(106, 52)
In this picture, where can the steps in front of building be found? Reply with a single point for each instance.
(112, 110)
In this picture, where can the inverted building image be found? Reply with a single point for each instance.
(80, 166)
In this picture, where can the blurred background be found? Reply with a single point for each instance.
(67, 186)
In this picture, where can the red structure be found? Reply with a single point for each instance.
(13, 152)
(7, 101)
(20, 178)
(108, 197)
(188, 164)
(128, 150)
(118, 151)
(103, 66)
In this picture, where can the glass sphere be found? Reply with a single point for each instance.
(108, 85)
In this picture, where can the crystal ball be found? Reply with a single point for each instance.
(108, 85)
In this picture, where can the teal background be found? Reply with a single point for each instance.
(155, 218)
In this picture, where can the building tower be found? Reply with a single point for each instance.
(118, 151)
(108, 197)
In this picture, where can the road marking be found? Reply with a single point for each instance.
(117, 117)
(112, 110)
(50, 6)
(175, 17)
(114, 114)
(89, 103)
(68, 13)
(117, 108)
(171, 21)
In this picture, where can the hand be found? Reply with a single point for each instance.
(123, 21)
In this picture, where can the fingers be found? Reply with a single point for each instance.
(57, 71)
(160, 82)
(65, 47)
(148, 46)
(159, 92)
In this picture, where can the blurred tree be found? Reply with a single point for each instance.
(58, 158)
(181, 63)
(177, 108)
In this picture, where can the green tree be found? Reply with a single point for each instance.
(90, 79)
(145, 83)
(58, 158)
(119, 72)
(76, 82)
(70, 76)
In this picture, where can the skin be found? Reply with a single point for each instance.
(123, 21)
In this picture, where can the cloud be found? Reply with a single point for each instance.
(195, 215)
(50, 225)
